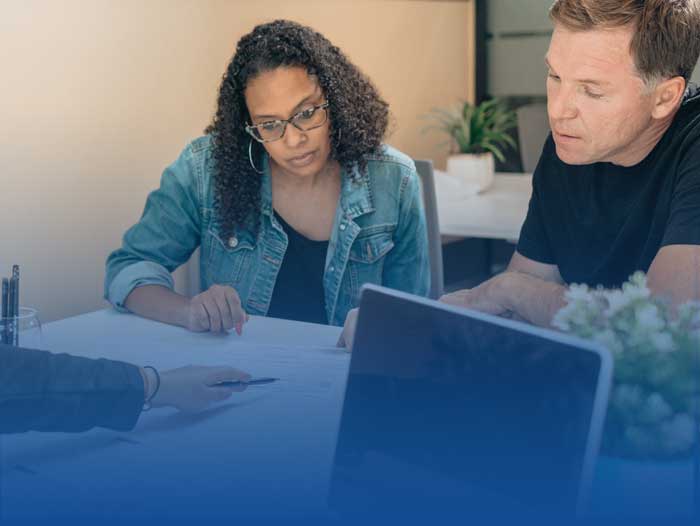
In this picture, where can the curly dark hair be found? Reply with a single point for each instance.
(358, 115)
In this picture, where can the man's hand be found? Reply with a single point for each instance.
(348, 335)
(217, 309)
(514, 295)
(490, 297)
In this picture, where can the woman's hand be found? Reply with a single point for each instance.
(347, 337)
(190, 388)
(217, 309)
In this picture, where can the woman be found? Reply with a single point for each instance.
(292, 196)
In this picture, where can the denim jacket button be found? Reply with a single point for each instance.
(233, 242)
(331, 269)
(342, 226)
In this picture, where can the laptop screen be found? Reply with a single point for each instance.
(452, 412)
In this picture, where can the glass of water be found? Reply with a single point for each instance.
(23, 330)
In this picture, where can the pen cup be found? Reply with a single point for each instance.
(22, 330)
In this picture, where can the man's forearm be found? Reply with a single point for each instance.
(533, 299)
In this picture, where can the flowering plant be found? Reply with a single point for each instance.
(653, 403)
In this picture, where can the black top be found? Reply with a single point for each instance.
(298, 293)
(599, 223)
(41, 391)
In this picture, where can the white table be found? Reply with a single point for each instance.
(496, 213)
(276, 441)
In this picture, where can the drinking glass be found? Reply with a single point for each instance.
(23, 330)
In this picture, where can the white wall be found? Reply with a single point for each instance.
(696, 74)
(98, 96)
(520, 37)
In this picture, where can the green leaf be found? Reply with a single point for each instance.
(495, 151)
(476, 128)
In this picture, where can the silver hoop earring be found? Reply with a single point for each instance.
(340, 134)
(250, 157)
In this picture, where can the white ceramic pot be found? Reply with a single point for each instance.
(474, 171)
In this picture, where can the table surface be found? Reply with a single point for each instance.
(280, 435)
(283, 432)
(496, 213)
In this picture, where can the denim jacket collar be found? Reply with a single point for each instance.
(356, 193)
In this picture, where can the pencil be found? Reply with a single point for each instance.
(5, 305)
(15, 306)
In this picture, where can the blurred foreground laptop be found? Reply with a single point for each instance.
(449, 413)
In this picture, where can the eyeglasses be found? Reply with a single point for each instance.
(305, 120)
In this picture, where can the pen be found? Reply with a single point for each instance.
(5, 305)
(11, 313)
(15, 307)
(10, 320)
(252, 381)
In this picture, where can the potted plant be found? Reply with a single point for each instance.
(477, 134)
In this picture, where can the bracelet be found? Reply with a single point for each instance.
(147, 403)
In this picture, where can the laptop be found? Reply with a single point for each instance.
(454, 413)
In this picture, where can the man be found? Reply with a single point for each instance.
(617, 188)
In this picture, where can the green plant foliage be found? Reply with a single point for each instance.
(477, 129)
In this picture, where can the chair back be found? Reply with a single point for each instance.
(427, 179)
(533, 129)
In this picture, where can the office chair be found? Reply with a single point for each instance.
(533, 129)
(427, 179)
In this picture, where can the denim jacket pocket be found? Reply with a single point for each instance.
(369, 249)
(366, 262)
(226, 261)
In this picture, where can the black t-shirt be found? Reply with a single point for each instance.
(599, 223)
(298, 293)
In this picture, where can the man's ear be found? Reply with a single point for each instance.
(668, 95)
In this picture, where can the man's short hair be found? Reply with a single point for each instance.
(666, 40)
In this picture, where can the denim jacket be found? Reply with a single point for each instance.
(379, 236)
